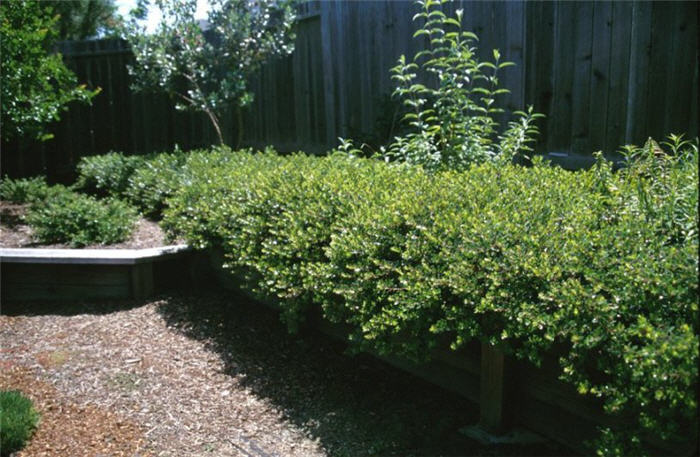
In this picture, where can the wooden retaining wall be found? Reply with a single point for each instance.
(510, 393)
(82, 274)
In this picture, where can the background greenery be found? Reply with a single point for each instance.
(36, 86)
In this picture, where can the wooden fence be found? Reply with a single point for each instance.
(605, 74)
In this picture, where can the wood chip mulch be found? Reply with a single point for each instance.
(14, 233)
(127, 380)
(215, 375)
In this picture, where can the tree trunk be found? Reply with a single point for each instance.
(215, 122)
(239, 133)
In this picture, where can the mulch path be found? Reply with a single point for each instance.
(193, 375)
(14, 233)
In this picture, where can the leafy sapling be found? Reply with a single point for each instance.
(452, 115)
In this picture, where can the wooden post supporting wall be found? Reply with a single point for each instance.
(142, 280)
(493, 397)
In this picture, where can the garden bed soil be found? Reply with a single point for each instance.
(216, 375)
(14, 233)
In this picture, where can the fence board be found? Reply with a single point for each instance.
(580, 98)
(661, 49)
(540, 59)
(564, 65)
(638, 75)
(600, 74)
(619, 69)
(685, 44)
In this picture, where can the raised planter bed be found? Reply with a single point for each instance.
(511, 394)
(77, 274)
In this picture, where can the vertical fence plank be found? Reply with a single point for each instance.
(560, 135)
(602, 22)
(581, 100)
(681, 64)
(658, 101)
(619, 69)
(541, 19)
(515, 49)
(638, 78)
(327, 14)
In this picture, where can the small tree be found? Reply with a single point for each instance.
(207, 70)
(36, 85)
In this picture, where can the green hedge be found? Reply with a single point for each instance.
(143, 181)
(106, 174)
(153, 181)
(600, 266)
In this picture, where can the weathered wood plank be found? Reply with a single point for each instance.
(602, 23)
(63, 282)
(683, 62)
(581, 100)
(561, 114)
(539, 63)
(329, 86)
(142, 280)
(514, 51)
(658, 101)
(619, 69)
(493, 394)
(638, 79)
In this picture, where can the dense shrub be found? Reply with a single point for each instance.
(153, 181)
(18, 419)
(600, 266)
(80, 220)
(146, 182)
(106, 174)
(23, 190)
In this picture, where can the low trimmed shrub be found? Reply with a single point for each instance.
(154, 181)
(23, 190)
(18, 419)
(600, 266)
(80, 220)
(107, 174)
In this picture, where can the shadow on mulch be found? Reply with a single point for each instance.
(10, 219)
(355, 405)
(67, 308)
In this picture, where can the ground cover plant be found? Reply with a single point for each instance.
(18, 420)
(600, 266)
